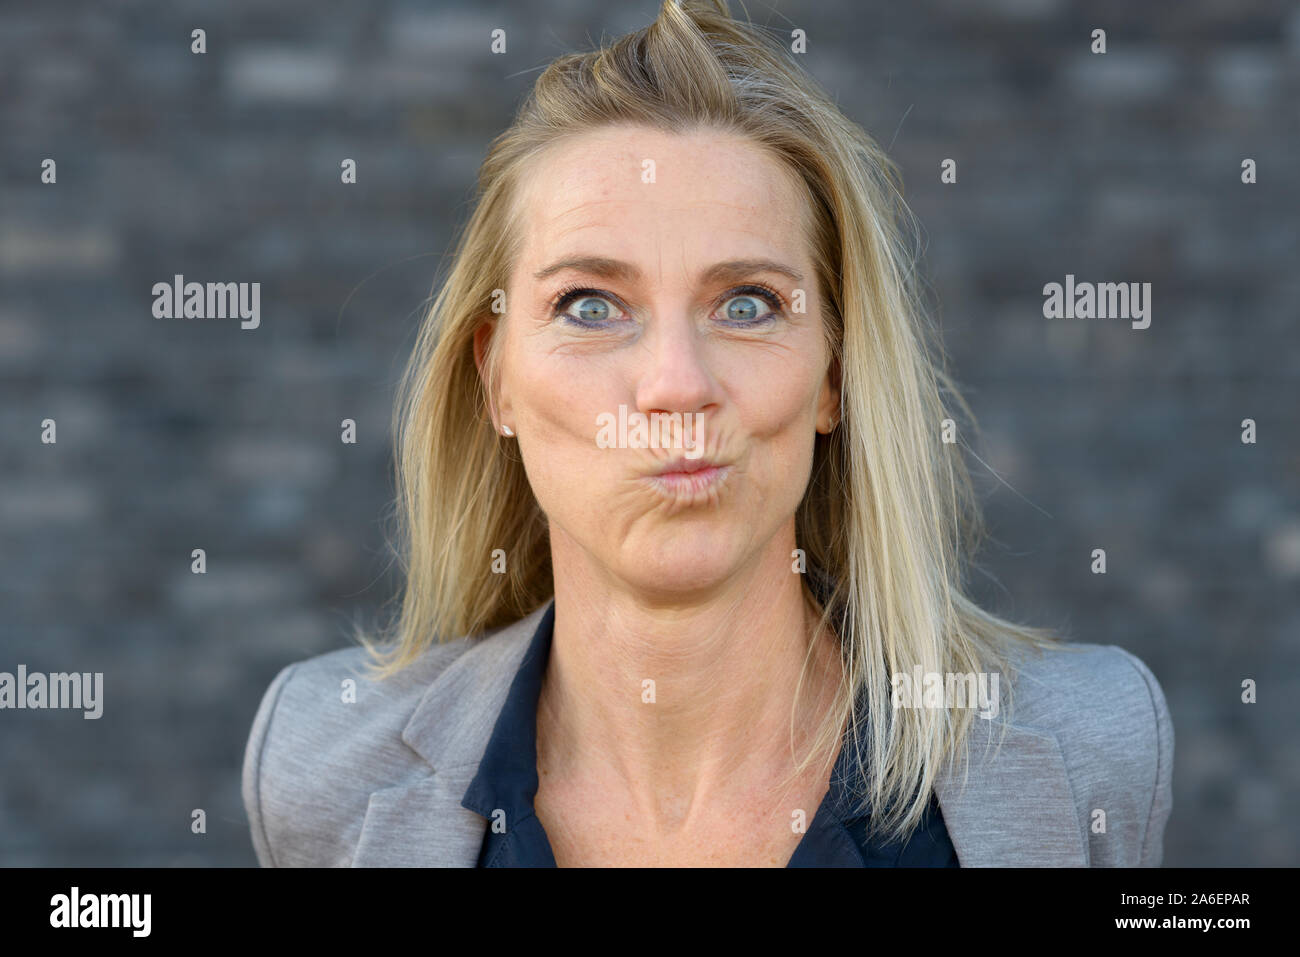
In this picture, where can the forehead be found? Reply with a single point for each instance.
(629, 183)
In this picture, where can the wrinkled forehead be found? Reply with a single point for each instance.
(629, 182)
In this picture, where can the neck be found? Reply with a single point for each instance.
(725, 666)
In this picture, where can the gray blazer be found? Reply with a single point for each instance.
(377, 782)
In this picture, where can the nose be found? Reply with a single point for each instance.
(675, 376)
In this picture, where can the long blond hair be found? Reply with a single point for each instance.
(889, 517)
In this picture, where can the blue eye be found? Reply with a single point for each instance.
(593, 308)
(747, 313)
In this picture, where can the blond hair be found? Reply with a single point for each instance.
(889, 515)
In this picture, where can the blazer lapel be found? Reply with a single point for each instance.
(422, 824)
(1016, 807)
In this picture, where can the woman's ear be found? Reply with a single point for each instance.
(828, 402)
(498, 405)
(482, 337)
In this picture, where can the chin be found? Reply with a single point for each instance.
(681, 564)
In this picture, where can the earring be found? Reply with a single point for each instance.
(506, 430)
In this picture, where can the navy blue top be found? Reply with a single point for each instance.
(507, 781)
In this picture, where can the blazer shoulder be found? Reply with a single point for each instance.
(1109, 717)
(326, 735)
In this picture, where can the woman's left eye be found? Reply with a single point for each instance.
(746, 308)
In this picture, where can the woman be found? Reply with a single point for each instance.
(684, 542)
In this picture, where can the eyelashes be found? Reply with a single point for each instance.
(575, 291)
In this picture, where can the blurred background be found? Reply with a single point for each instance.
(225, 166)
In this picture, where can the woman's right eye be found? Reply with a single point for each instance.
(586, 308)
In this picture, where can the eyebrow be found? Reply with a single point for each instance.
(606, 268)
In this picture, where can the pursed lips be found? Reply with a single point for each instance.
(685, 479)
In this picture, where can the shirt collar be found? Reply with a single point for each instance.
(507, 774)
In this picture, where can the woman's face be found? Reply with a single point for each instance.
(666, 246)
